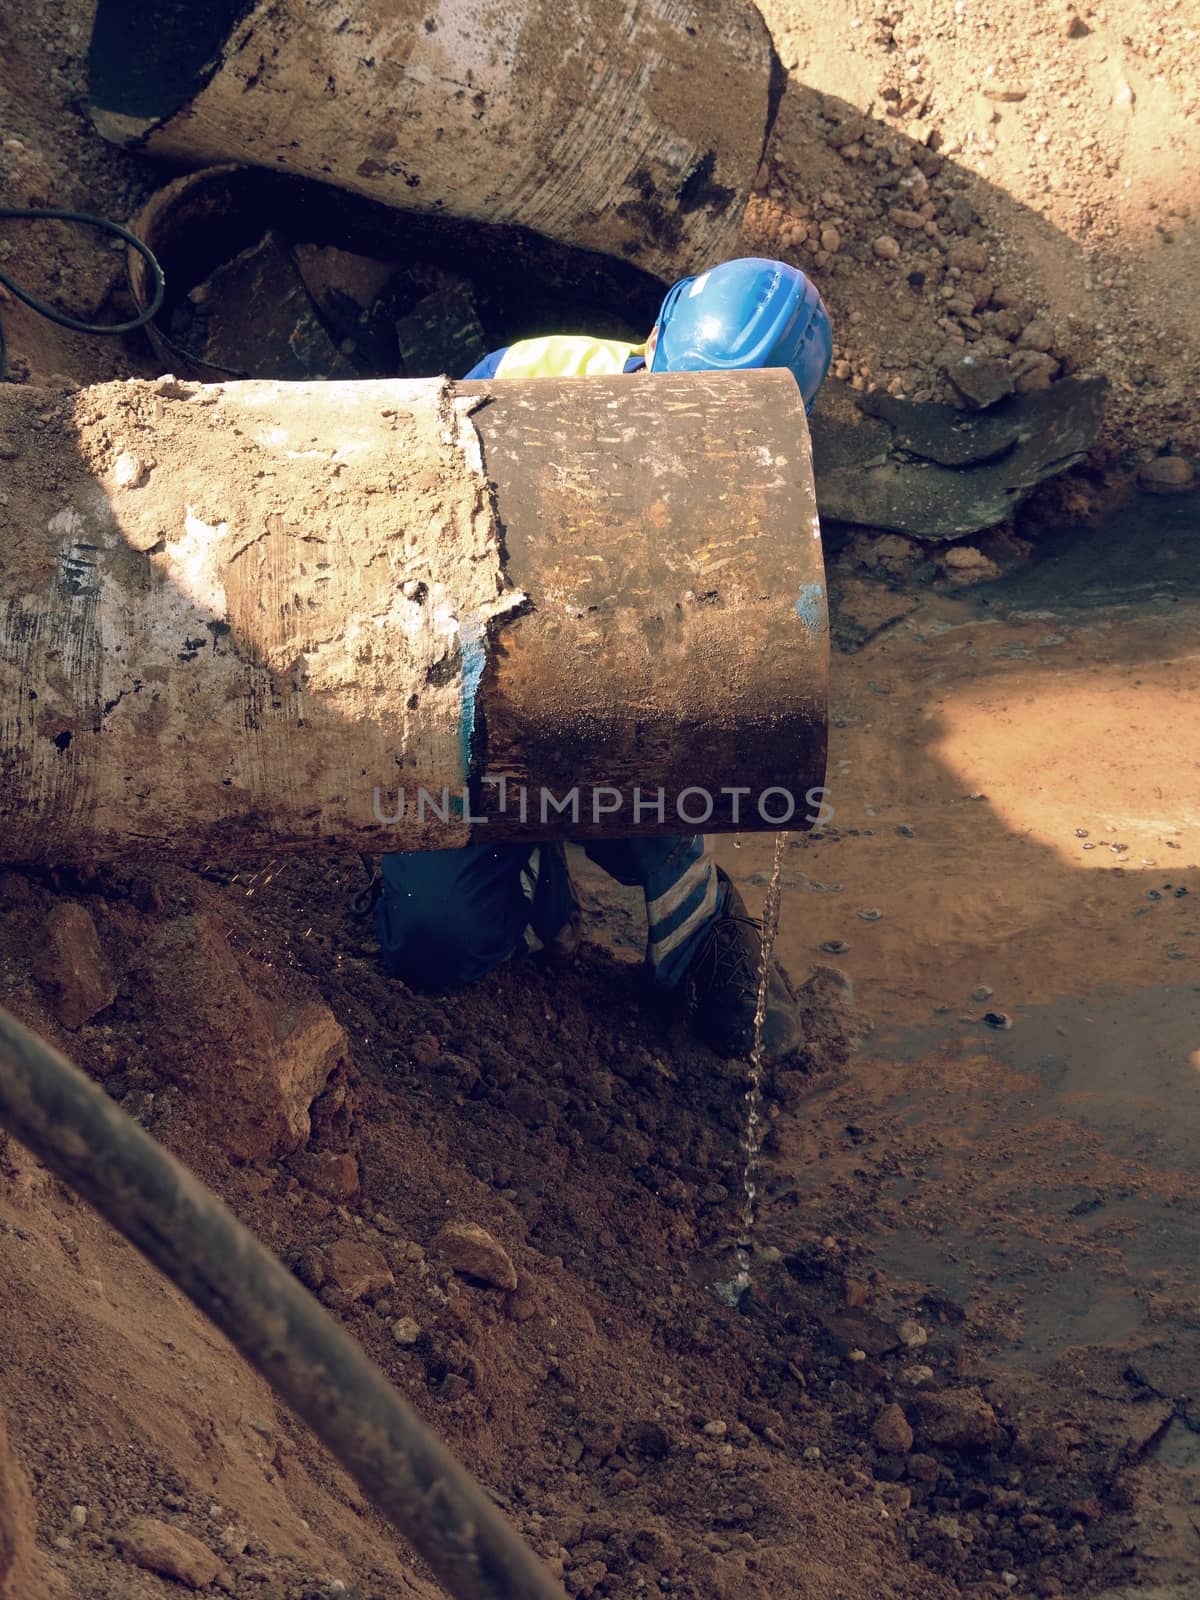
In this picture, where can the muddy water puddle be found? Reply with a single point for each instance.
(1127, 1065)
(1043, 1179)
(1015, 774)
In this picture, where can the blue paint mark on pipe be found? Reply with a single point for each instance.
(472, 640)
(810, 607)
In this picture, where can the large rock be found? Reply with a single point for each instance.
(250, 1050)
(957, 1419)
(1166, 474)
(71, 967)
(471, 1250)
(170, 1552)
(940, 473)
(981, 382)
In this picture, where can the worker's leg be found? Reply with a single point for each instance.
(683, 895)
(703, 945)
(445, 917)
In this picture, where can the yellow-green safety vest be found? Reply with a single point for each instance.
(566, 355)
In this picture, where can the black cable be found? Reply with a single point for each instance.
(71, 1124)
(64, 318)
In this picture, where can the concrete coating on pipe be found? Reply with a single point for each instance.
(631, 128)
(324, 556)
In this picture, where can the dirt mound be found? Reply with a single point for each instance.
(520, 1200)
(1013, 182)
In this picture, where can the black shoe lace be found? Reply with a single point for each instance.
(724, 955)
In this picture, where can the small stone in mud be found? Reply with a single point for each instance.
(471, 1250)
(982, 993)
(1166, 474)
(648, 1439)
(406, 1331)
(892, 1432)
(957, 1419)
(911, 1334)
(981, 383)
(968, 256)
(917, 1375)
(870, 914)
(130, 471)
(357, 1270)
(997, 1019)
(330, 1173)
(834, 947)
(1081, 833)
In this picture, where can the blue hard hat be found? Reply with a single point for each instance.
(746, 313)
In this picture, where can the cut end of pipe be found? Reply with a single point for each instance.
(149, 58)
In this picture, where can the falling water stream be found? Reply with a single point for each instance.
(732, 1289)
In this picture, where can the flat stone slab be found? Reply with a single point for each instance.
(939, 473)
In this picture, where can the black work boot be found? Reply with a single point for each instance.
(720, 987)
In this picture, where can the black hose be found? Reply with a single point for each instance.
(64, 318)
(72, 1125)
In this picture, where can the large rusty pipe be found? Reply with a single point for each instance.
(405, 614)
(632, 127)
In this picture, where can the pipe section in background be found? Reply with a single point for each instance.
(632, 127)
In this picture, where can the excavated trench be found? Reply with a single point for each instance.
(270, 276)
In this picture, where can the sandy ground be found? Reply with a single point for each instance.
(1063, 141)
